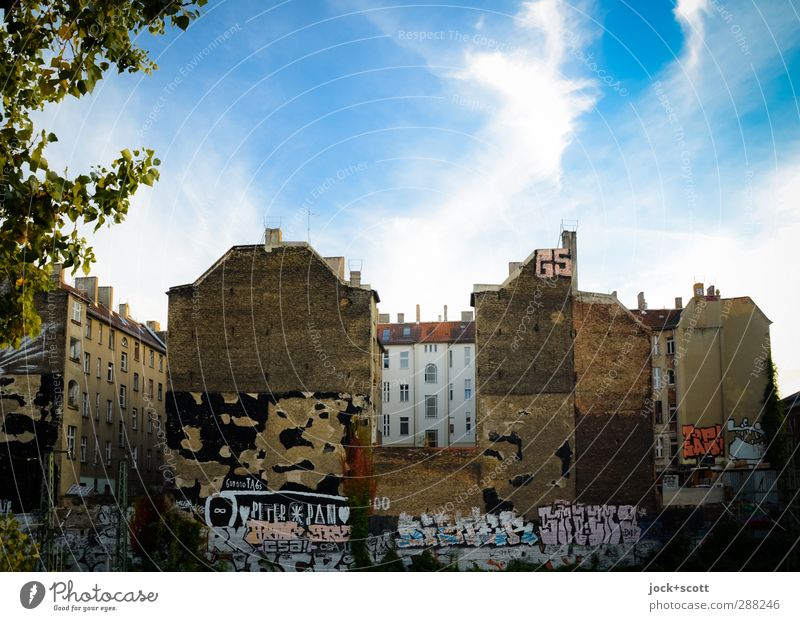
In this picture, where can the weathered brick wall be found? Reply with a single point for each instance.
(613, 427)
(426, 480)
(275, 321)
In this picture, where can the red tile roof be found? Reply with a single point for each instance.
(427, 332)
(659, 318)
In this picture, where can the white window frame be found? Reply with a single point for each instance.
(404, 359)
(431, 405)
(135, 382)
(659, 447)
(654, 348)
(72, 431)
(404, 421)
(386, 426)
(84, 449)
(74, 349)
(656, 378)
(403, 393)
(670, 346)
(77, 310)
(109, 411)
(467, 356)
(123, 396)
(123, 361)
(386, 360)
(110, 373)
(431, 373)
(87, 363)
(73, 394)
(387, 391)
(85, 405)
(467, 389)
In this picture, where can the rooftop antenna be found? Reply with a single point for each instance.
(308, 226)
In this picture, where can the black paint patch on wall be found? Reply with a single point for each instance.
(303, 465)
(493, 453)
(328, 448)
(293, 437)
(16, 424)
(512, 438)
(521, 480)
(564, 453)
(494, 504)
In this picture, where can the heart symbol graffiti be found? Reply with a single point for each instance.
(344, 514)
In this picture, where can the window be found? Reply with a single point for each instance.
(431, 406)
(97, 406)
(148, 460)
(450, 389)
(109, 412)
(73, 394)
(76, 311)
(404, 425)
(123, 362)
(386, 334)
(87, 363)
(467, 389)
(673, 414)
(100, 333)
(432, 438)
(123, 396)
(403, 393)
(99, 364)
(659, 416)
(125, 341)
(149, 424)
(152, 358)
(654, 349)
(452, 422)
(71, 431)
(469, 423)
(108, 452)
(673, 448)
(88, 330)
(659, 447)
(74, 349)
(150, 388)
(467, 356)
(671, 377)
(85, 405)
(386, 360)
(160, 392)
(431, 348)
(403, 359)
(121, 433)
(450, 358)
(96, 459)
(134, 457)
(386, 428)
(136, 382)
(406, 330)
(430, 374)
(111, 339)
(670, 346)
(110, 372)
(656, 378)
(387, 391)
(160, 362)
(136, 351)
(84, 448)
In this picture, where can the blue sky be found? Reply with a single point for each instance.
(436, 143)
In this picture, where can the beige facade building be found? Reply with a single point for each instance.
(709, 373)
(90, 388)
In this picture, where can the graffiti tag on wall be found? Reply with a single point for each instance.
(565, 523)
(699, 442)
(505, 529)
(749, 442)
(553, 262)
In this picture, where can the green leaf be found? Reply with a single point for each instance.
(182, 21)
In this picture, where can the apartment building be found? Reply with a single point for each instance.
(428, 384)
(90, 388)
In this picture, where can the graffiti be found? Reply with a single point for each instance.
(700, 442)
(505, 529)
(592, 525)
(553, 262)
(512, 438)
(749, 442)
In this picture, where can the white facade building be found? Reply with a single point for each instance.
(428, 383)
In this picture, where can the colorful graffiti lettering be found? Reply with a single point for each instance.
(702, 442)
(564, 523)
(749, 442)
(505, 529)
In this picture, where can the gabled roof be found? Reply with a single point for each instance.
(659, 318)
(426, 332)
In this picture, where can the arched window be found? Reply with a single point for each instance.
(430, 374)
(73, 394)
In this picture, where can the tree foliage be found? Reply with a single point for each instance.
(49, 51)
(18, 552)
(773, 420)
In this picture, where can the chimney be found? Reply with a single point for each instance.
(88, 285)
(466, 315)
(710, 290)
(355, 278)
(383, 318)
(513, 266)
(698, 289)
(337, 265)
(401, 318)
(57, 275)
(125, 310)
(272, 238)
(642, 304)
(445, 312)
(678, 303)
(438, 318)
(417, 313)
(569, 239)
(614, 294)
(153, 325)
(105, 296)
